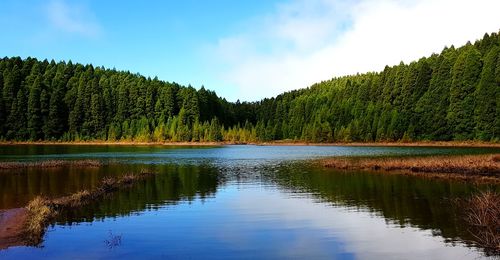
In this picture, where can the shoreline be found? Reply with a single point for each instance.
(273, 143)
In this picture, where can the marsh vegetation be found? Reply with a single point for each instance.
(50, 164)
(42, 210)
(484, 168)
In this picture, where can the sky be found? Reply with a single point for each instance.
(245, 49)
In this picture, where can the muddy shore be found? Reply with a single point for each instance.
(12, 227)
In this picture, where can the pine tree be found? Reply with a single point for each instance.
(55, 126)
(122, 107)
(496, 129)
(34, 110)
(2, 107)
(97, 116)
(487, 88)
(17, 117)
(465, 75)
(432, 107)
(11, 85)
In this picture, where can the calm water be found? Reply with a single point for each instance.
(243, 202)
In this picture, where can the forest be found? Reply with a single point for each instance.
(454, 95)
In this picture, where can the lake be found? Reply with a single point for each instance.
(243, 202)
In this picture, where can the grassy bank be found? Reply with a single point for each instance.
(482, 168)
(49, 164)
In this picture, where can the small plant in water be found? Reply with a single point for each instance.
(483, 215)
(113, 240)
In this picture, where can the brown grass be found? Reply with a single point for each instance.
(49, 164)
(39, 214)
(468, 167)
(482, 213)
(41, 210)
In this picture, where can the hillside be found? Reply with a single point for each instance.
(454, 95)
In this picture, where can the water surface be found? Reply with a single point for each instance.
(243, 202)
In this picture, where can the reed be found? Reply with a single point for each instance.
(39, 214)
(463, 167)
(49, 164)
(42, 210)
(482, 213)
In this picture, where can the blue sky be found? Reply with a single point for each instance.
(242, 49)
(160, 38)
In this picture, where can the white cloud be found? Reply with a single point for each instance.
(306, 41)
(72, 18)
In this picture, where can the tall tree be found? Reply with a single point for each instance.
(35, 122)
(465, 75)
(486, 106)
(432, 107)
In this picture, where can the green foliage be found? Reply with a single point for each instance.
(453, 95)
(487, 89)
(464, 79)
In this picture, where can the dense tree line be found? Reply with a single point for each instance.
(454, 95)
(42, 100)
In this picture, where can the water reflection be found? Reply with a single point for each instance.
(172, 184)
(299, 200)
(403, 201)
(259, 207)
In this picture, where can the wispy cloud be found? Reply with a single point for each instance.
(72, 18)
(306, 41)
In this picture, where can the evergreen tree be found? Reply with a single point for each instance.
(35, 122)
(485, 110)
(432, 107)
(465, 75)
(496, 129)
(2, 107)
(55, 126)
(17, 117)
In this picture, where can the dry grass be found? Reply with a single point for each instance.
(39, 214)
(482, 213)
(49, 164)
(42, 210)
(478, 167)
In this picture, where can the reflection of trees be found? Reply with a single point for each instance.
(172, 184)
(18, 187)
(402, 200)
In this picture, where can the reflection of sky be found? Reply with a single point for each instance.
(247, 221)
